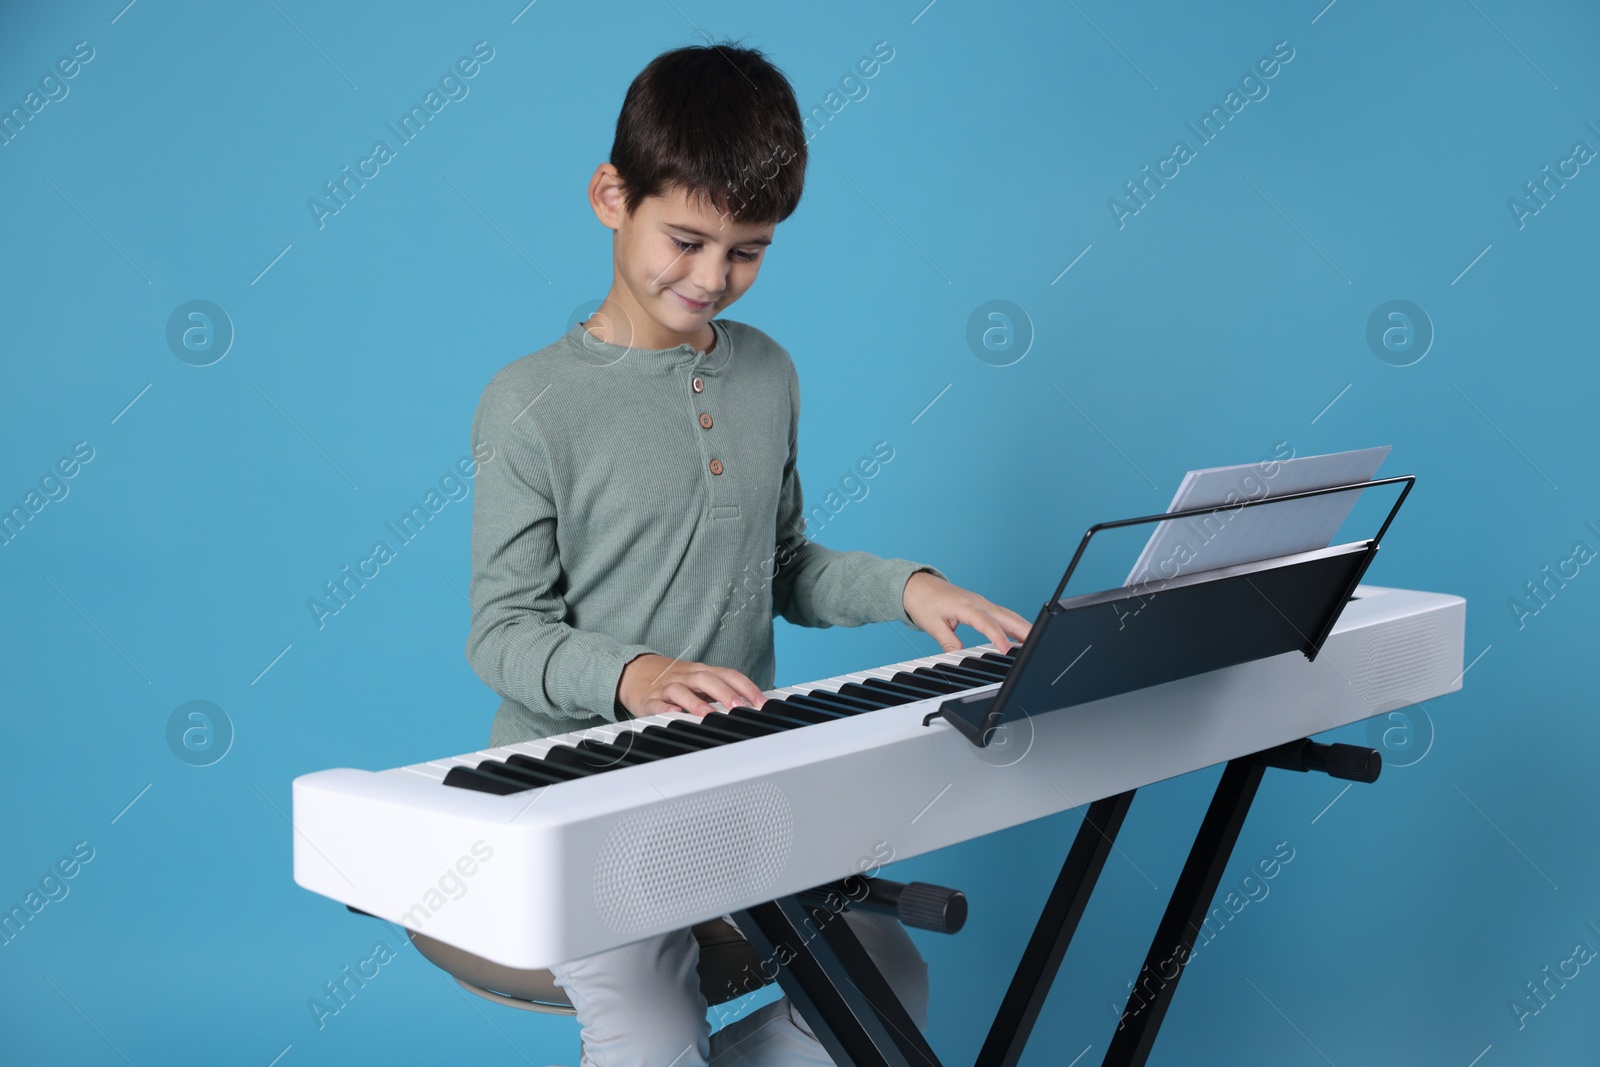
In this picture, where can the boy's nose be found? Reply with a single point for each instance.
(709, 279)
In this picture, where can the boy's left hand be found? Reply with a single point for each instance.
(938, 607)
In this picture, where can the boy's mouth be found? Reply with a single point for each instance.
(692, 305)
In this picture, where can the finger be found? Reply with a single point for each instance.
(727, 687)
(749, 692)
(1009, 623)
(687, 699)
(717, 686)
(656, 705)
(1016, 625)
(943, 633)
(990, 627)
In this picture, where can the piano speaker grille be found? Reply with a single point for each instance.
(1408, 663)
(688, 856)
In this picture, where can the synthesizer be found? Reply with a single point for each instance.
(536, 853)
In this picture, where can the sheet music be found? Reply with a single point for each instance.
(1243, 535)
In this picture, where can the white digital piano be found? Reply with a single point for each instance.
(577, 843)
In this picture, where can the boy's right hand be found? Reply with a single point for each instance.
(652, 684)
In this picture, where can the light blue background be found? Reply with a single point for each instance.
(1228, 315)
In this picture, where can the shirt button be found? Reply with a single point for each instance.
(716, 466)
(697, 383)
(705, 420)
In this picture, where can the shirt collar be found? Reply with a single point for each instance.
(598, 353)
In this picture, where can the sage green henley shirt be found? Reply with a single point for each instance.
(646, 500)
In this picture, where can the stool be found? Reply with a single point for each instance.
(727, 963)
(727, 960)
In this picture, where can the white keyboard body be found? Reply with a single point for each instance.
(534, 878)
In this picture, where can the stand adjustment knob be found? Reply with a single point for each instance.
(920, 904)
(1349, 762)
(932, 907)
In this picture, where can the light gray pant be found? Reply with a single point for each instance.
(641, 1005)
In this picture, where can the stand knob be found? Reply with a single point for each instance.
(1349, 762)
(932, 907)
(920, 904)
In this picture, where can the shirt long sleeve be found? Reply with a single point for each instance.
(519, 643)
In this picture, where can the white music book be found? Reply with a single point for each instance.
(1247, 534)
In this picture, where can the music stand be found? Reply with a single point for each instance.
(1168, 628)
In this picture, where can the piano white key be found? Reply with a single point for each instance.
(639, 725)
(838, 680)
(534, 749)
(444, 765)
(934, 660)
(636, 725)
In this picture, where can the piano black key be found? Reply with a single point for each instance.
(927, 681)
(979, 665)
(555, 770)
(613, 754)
(692, 741)
(957, 682)
(971, 679)
(773, 719)
(798, 713)
(621, 746)
(731, 729)
(580, 760)
(825, 700)
(482, 781)
(906, 690)
(867, 696)
(696, 732)
(1006, 660)
(664, 744)
(655, 746)
(533, 776)
(922, 686)
(742, 727)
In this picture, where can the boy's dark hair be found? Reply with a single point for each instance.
(718, 120)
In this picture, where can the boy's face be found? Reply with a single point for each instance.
(677, 263)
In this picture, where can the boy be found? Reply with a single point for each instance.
(642, 522)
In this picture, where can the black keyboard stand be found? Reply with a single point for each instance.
(828, 976)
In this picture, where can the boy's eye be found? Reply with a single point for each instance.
(743, 255)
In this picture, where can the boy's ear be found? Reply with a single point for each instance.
(605, 196)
